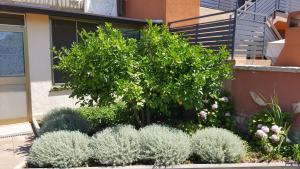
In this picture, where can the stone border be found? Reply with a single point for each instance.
(209, 166)
(268, 68)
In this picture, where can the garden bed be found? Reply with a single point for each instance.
(209, 166)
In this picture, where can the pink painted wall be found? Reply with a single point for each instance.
(285, 84)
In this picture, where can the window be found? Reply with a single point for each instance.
(11, 54)
(64, 33)
(10, 19)
(11, 46)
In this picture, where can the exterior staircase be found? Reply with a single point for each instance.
(247, 30)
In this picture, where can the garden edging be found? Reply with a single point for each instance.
(208, 166)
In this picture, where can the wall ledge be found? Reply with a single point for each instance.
(208, 166)
(268, 68)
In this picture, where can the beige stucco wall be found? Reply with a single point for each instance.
(38, 34)
(207, 11)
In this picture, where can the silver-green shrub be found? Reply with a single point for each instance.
(62, 149)
(164, 146)
(116, 146)
(216, 145)
(64, 119)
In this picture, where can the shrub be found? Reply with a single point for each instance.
(172, 72)
(61, 149)
(217, 112)
(269, 130)
(116, 146)
(164, 146)
(106, 116)
(96, 65)
(159, 70)
(296, 153)
(215, 145)
(64, 119)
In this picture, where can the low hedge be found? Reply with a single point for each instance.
(124, 145)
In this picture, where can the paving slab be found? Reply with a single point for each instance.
(15, 142)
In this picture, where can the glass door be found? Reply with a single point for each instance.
(13, 103)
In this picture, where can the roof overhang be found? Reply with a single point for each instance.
(21, 8)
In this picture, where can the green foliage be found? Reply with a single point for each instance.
(164, 146)
(64, 119)
(269, 130)
(97, 65)
(217, 112)
(296, 153)
(116, 146)
(159, 71)
(216, 145)
(106, 116)
(175, 72)
(62, 149)
(189, 127)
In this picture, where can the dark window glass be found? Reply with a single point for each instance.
(63, 35)
(10, 19)
(130, 33)
(89, 27)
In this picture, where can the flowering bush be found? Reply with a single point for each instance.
(217, 113)
(269, 130)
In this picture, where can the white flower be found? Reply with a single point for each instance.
(205, 101)
(276, 129)
(275, 138)
(203, 115)
(215, 106)
(227, 114)
(259, 126)
(265, 129)
(261, 134)
(224, 99)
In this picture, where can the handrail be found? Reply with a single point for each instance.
(274, 29)
(199, 17)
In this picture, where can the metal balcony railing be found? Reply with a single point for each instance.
(64, 4)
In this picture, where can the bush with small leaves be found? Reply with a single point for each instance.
(116, 146)
(62, 149)
(164, 146)
(101, 117)
(216, 145)
(64, 119)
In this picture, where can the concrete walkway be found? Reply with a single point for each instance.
(14, 150)
(15, 142)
